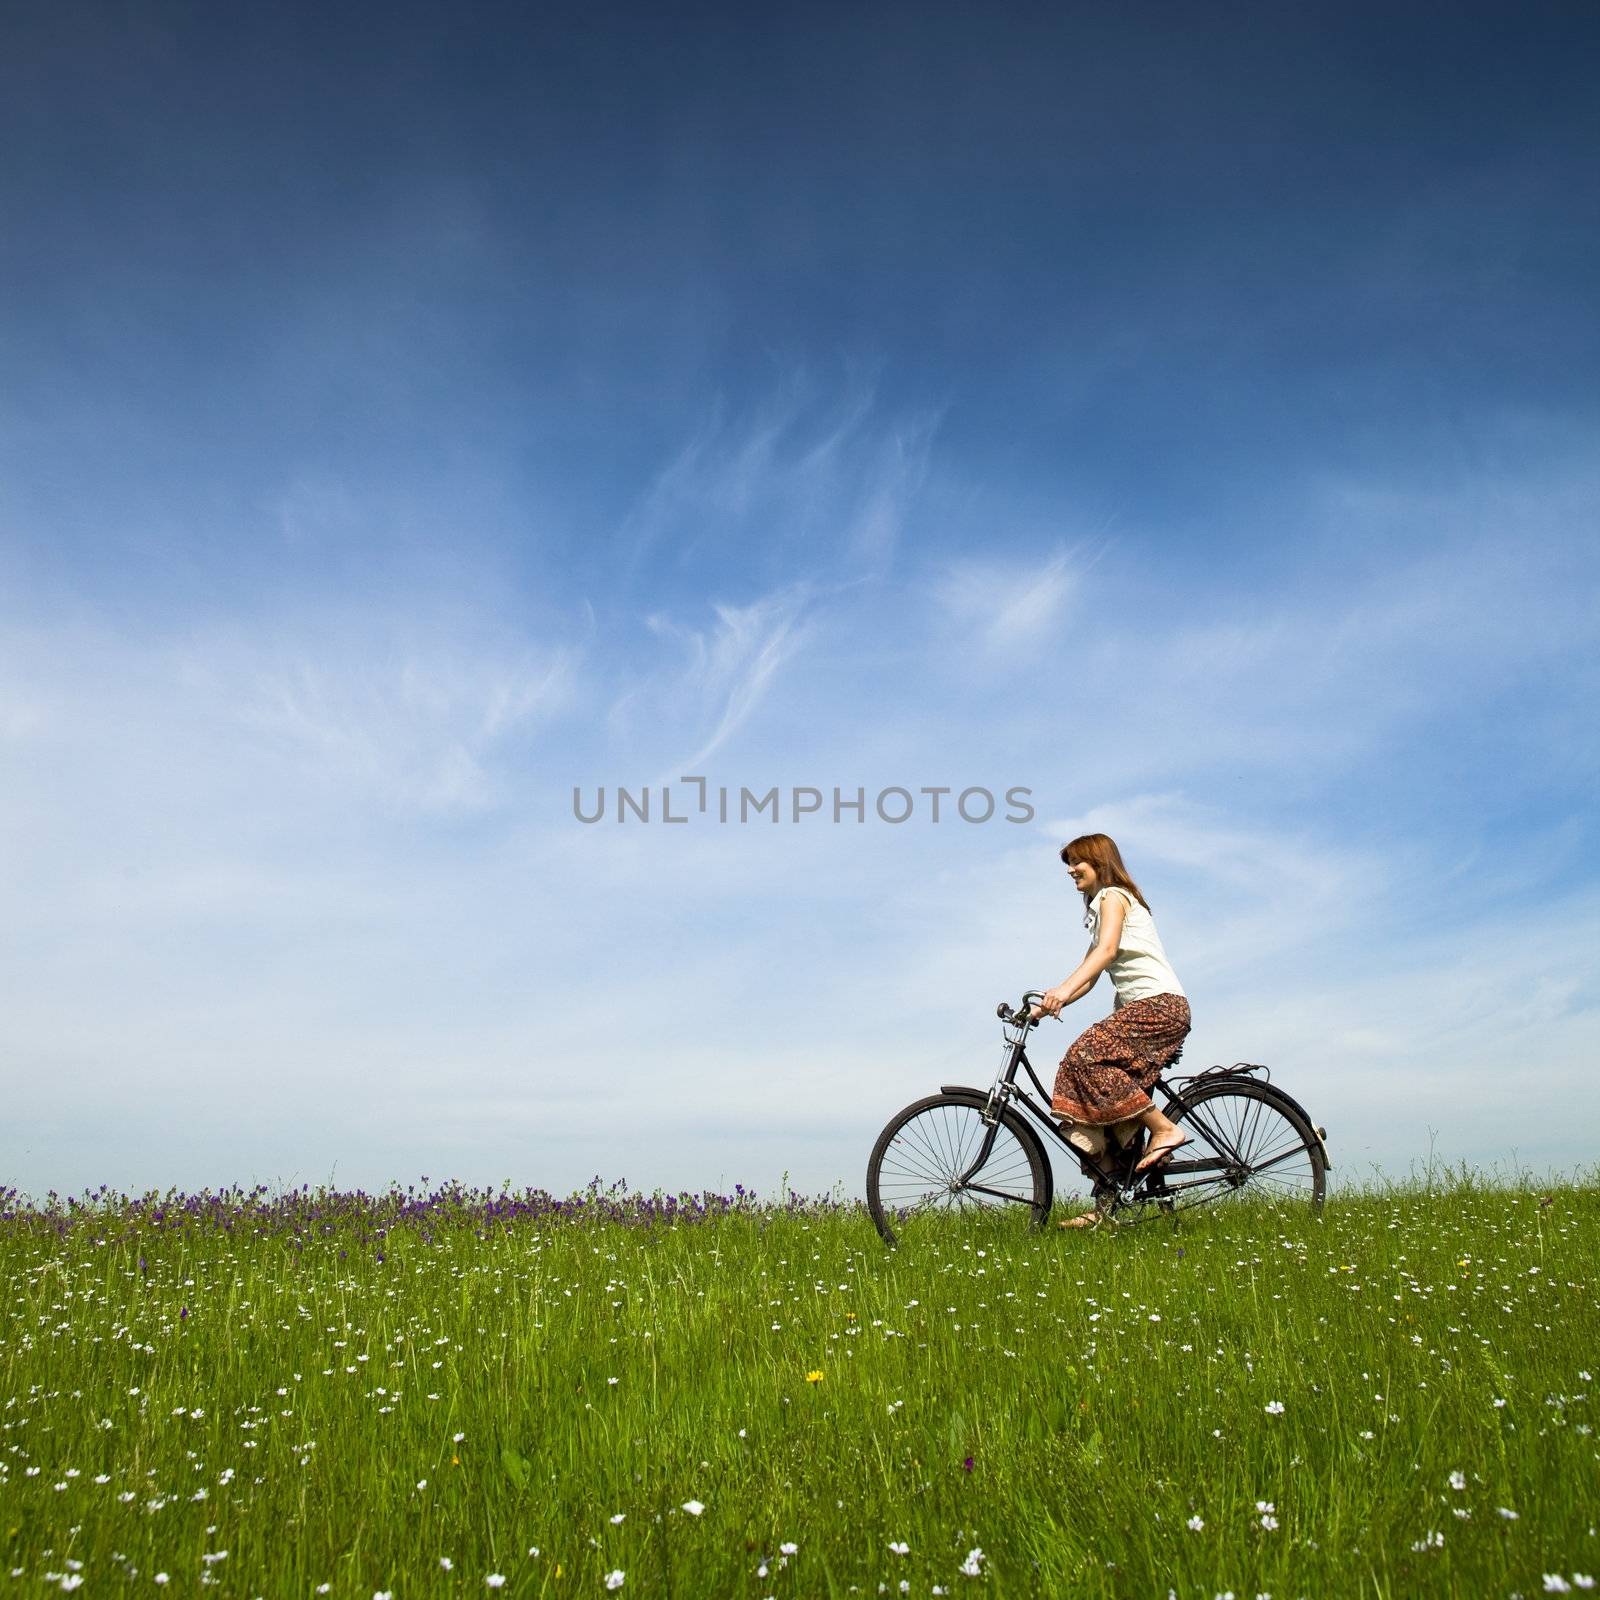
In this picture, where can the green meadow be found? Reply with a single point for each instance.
(354, 1398)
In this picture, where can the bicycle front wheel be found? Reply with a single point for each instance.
(1248, 1142)
(926, 1166)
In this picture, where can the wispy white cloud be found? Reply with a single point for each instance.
(1008, 606)
(739, 662)
(411, 716)
(825, 478)
(819, 484)
(682, 714)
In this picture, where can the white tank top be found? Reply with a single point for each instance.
(1140, 967)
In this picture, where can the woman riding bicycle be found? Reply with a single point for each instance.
(1104, 1079)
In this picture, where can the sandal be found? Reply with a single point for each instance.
(1160, 1155)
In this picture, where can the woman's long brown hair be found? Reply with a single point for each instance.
(1100, 851)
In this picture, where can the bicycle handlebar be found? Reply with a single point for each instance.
(1022, 1015)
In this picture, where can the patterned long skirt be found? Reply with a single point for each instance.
(1107, 1074)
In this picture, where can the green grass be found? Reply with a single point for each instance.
(1067, 1403)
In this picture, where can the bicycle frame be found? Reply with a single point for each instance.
(1193, 1173)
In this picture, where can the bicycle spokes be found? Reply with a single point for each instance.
(934, 1158)
(1246, 1142)
(940, 1157)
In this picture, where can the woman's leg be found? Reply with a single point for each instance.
(1105, 1076)
(1165, 1137)
(1093, 1084)
(1094, 1091)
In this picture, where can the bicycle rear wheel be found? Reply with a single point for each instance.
(1249, 1143)
(921, 1170)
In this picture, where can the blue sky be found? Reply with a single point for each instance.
(407, 415)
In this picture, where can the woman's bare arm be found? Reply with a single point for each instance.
(1113, 912)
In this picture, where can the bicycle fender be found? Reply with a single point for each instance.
(1315, 1127)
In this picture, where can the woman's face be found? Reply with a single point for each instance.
(1085, 877)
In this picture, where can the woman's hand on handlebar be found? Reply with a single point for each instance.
(1049, 1004)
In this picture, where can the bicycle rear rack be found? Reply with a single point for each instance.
(1240, 1069)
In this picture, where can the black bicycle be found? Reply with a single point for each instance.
(967, 1150)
